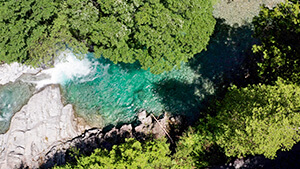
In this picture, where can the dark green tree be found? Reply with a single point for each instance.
(258, 119)
(279, 32)
(197, 149)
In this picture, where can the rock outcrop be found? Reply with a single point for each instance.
(41, 124)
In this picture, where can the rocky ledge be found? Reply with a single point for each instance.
(148, 126)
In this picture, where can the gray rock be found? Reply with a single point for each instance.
(146, 123)
(240, 11)
(147, 120)
(38, 127)
(142, 115)
(126, 131)
(238, 163)
(145, 129)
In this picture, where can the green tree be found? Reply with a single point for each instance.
(258, 119)
(279, 32)
(197, 149)
(158, 34)
(20, 24)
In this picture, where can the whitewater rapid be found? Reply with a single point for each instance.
(66, 67)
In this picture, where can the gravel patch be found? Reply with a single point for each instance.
(241, 12)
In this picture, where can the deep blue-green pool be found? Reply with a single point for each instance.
(115, 93)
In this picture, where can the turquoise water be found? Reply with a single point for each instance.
(114, 93)
(12, 97)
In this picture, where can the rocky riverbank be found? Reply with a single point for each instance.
(44, 130)
(41, 124)
(147, 126)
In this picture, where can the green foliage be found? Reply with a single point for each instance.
(80, 15)
(132, 154)
(258, 119)
(158, 34)
(196, 149)
(20, 23)
(279, 31)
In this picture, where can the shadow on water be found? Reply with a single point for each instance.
(228, 60)
(180, 97)
(118, 91)
(183, 99)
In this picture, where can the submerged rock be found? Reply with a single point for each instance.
(40, 125)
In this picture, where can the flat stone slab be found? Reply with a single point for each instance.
(9, 73)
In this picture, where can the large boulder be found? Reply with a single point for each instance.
(41, 124)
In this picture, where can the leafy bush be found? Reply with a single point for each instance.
(33, 32)
(197, 149)
(158, 34)
(191, 151)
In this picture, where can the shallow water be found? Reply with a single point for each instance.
(12, 97)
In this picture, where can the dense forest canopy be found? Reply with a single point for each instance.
(160, 34)
(279, 32)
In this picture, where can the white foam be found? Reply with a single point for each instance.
(66, 68)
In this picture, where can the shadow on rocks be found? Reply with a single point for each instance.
(146, 127)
